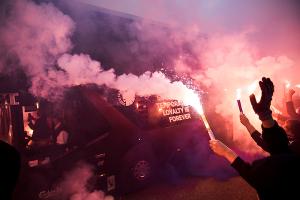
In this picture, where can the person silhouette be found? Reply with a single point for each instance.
(274, 176)
(10, 164)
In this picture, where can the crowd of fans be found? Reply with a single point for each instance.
(275, 176)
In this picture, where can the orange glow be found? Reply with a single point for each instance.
(28, 131)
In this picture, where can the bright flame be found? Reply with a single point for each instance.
(37, 105)
(287, 84)
(238, 93)
(193, 100)
(29, 131)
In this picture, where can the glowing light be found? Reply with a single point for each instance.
(37, 105)
(10, 131)
(287, 84)
(30, 133)
(6, 104)
(193, 100)
(252, 87)
(238, 93)
(297, 86)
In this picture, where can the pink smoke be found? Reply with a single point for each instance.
(231, 62)
(75, 183)
(224, 61)
(244, 41)
(38, 35)
(231, 56)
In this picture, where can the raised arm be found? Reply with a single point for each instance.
(256, 136)
(273, 135)
(242, 167)
(290, 105)
(245, 121)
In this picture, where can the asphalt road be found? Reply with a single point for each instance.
(197, 188)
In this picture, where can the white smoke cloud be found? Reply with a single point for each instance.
(38, 35)
(75, 184)
(81, 69)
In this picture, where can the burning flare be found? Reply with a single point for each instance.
(287, 84)
(192, 99)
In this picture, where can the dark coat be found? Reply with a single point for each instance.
(273, 140)
(10, 164)
(274, 177)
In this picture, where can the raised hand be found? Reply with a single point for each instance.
(290, 94)
(262, 108)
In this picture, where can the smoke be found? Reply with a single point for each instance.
(40, 37)
(272, 20)
(81, 69)
(231, 62)
(223, 46)
(226, 46)
(76, 183)
(37, 35)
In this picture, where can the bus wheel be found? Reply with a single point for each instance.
(138, 168)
